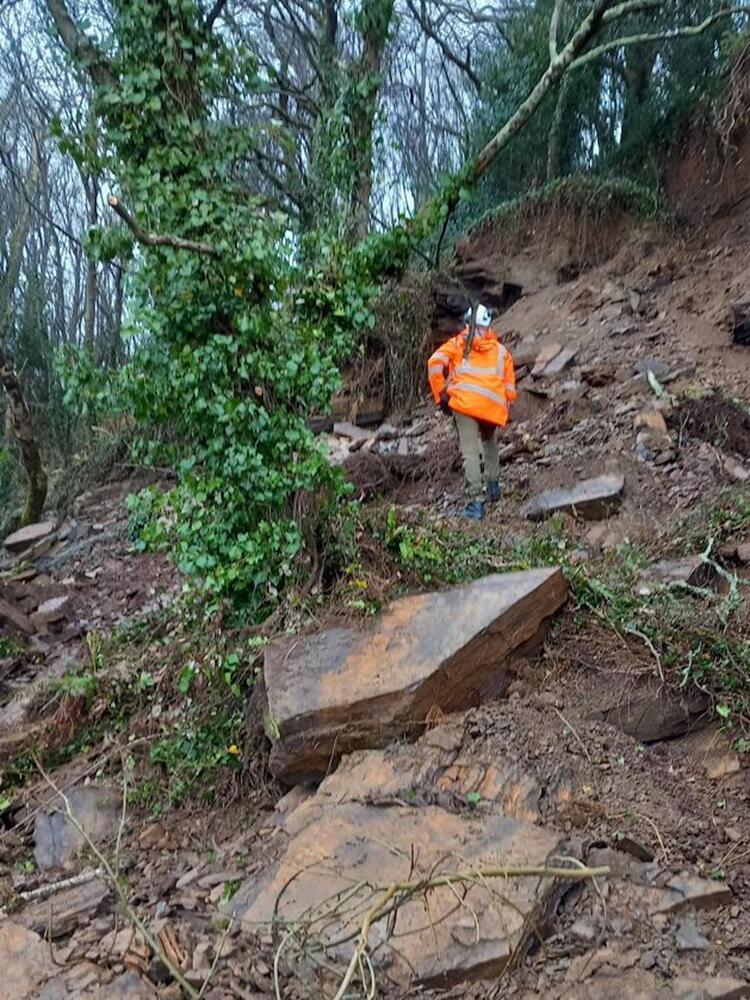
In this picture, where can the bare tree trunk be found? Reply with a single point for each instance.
(376, 18)
(20, 421)
(89, 307)
(18, 413)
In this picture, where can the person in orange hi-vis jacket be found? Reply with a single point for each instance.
(478, 390)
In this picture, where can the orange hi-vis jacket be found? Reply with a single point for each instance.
(481, 386)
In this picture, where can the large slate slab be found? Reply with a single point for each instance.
(591, 499)
(337, 866)
(356, 688)
(24, 538)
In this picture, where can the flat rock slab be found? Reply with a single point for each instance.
(353, 852)
(52, 610)
(652, 715)
(56, 839)
(560, 362)
(25, 961)
(61, 913)
(24, 538)
(591, 499)
(698, 893)
(442, 768)
(356, 688)
(691, 571)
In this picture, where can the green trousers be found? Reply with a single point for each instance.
(478, 444)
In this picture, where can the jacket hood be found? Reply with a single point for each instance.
(484, 339)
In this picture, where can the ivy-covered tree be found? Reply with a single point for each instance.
(237, 351)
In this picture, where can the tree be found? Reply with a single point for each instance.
(18, 409)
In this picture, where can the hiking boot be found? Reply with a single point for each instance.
(474, 510)
(493, 491)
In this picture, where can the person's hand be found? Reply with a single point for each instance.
(444, 404)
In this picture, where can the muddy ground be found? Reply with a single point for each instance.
(669, 808)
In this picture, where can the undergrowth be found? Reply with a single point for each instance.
(593, 196)
(168, 692)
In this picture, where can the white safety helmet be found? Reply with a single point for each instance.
(484, 316)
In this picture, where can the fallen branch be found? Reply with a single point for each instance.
(53, 887)
(406, 890)
(158, 239)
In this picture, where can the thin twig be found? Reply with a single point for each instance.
(408, 889)
(632, 630)
(110, 875)
(579, 741)
(217, 956)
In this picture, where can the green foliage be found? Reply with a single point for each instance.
(592, 196)
(237, 348)
(190, 758)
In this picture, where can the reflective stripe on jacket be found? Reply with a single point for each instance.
(481, 386)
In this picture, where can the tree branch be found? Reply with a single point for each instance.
(684, 31)
(158, 239)
(429, 30)
(79, 45)
(215, 11)
(554, 30)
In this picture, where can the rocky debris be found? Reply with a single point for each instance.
(658, 368)
(603, 976)
(653, 442)
(24, 538)
(591, 499)
(709, 988)
(722, 765)
(543, 358)
(11, 616)
(61, 913)
(692, 571)
(689, 936)
(739, 316)
(699, 893)
(561, 361)
(735, 552)
(735, 470)
(658, 714)
(52, 610)
(350, 431)
(25, 961)
(349, 688)
(441, 768)
(376, 846)
(56, 839)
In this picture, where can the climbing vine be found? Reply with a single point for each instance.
(238, 342)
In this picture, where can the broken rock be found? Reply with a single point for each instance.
(739, 313)
(349, 688)
(560, 362)
(591, 499)
(652, 715)
(52, 610)
(56, 839)
(66, 910)
(692, 571)
(700, 893)
(352, 845)
(544, 357)
(24, 538)
(26, 962)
